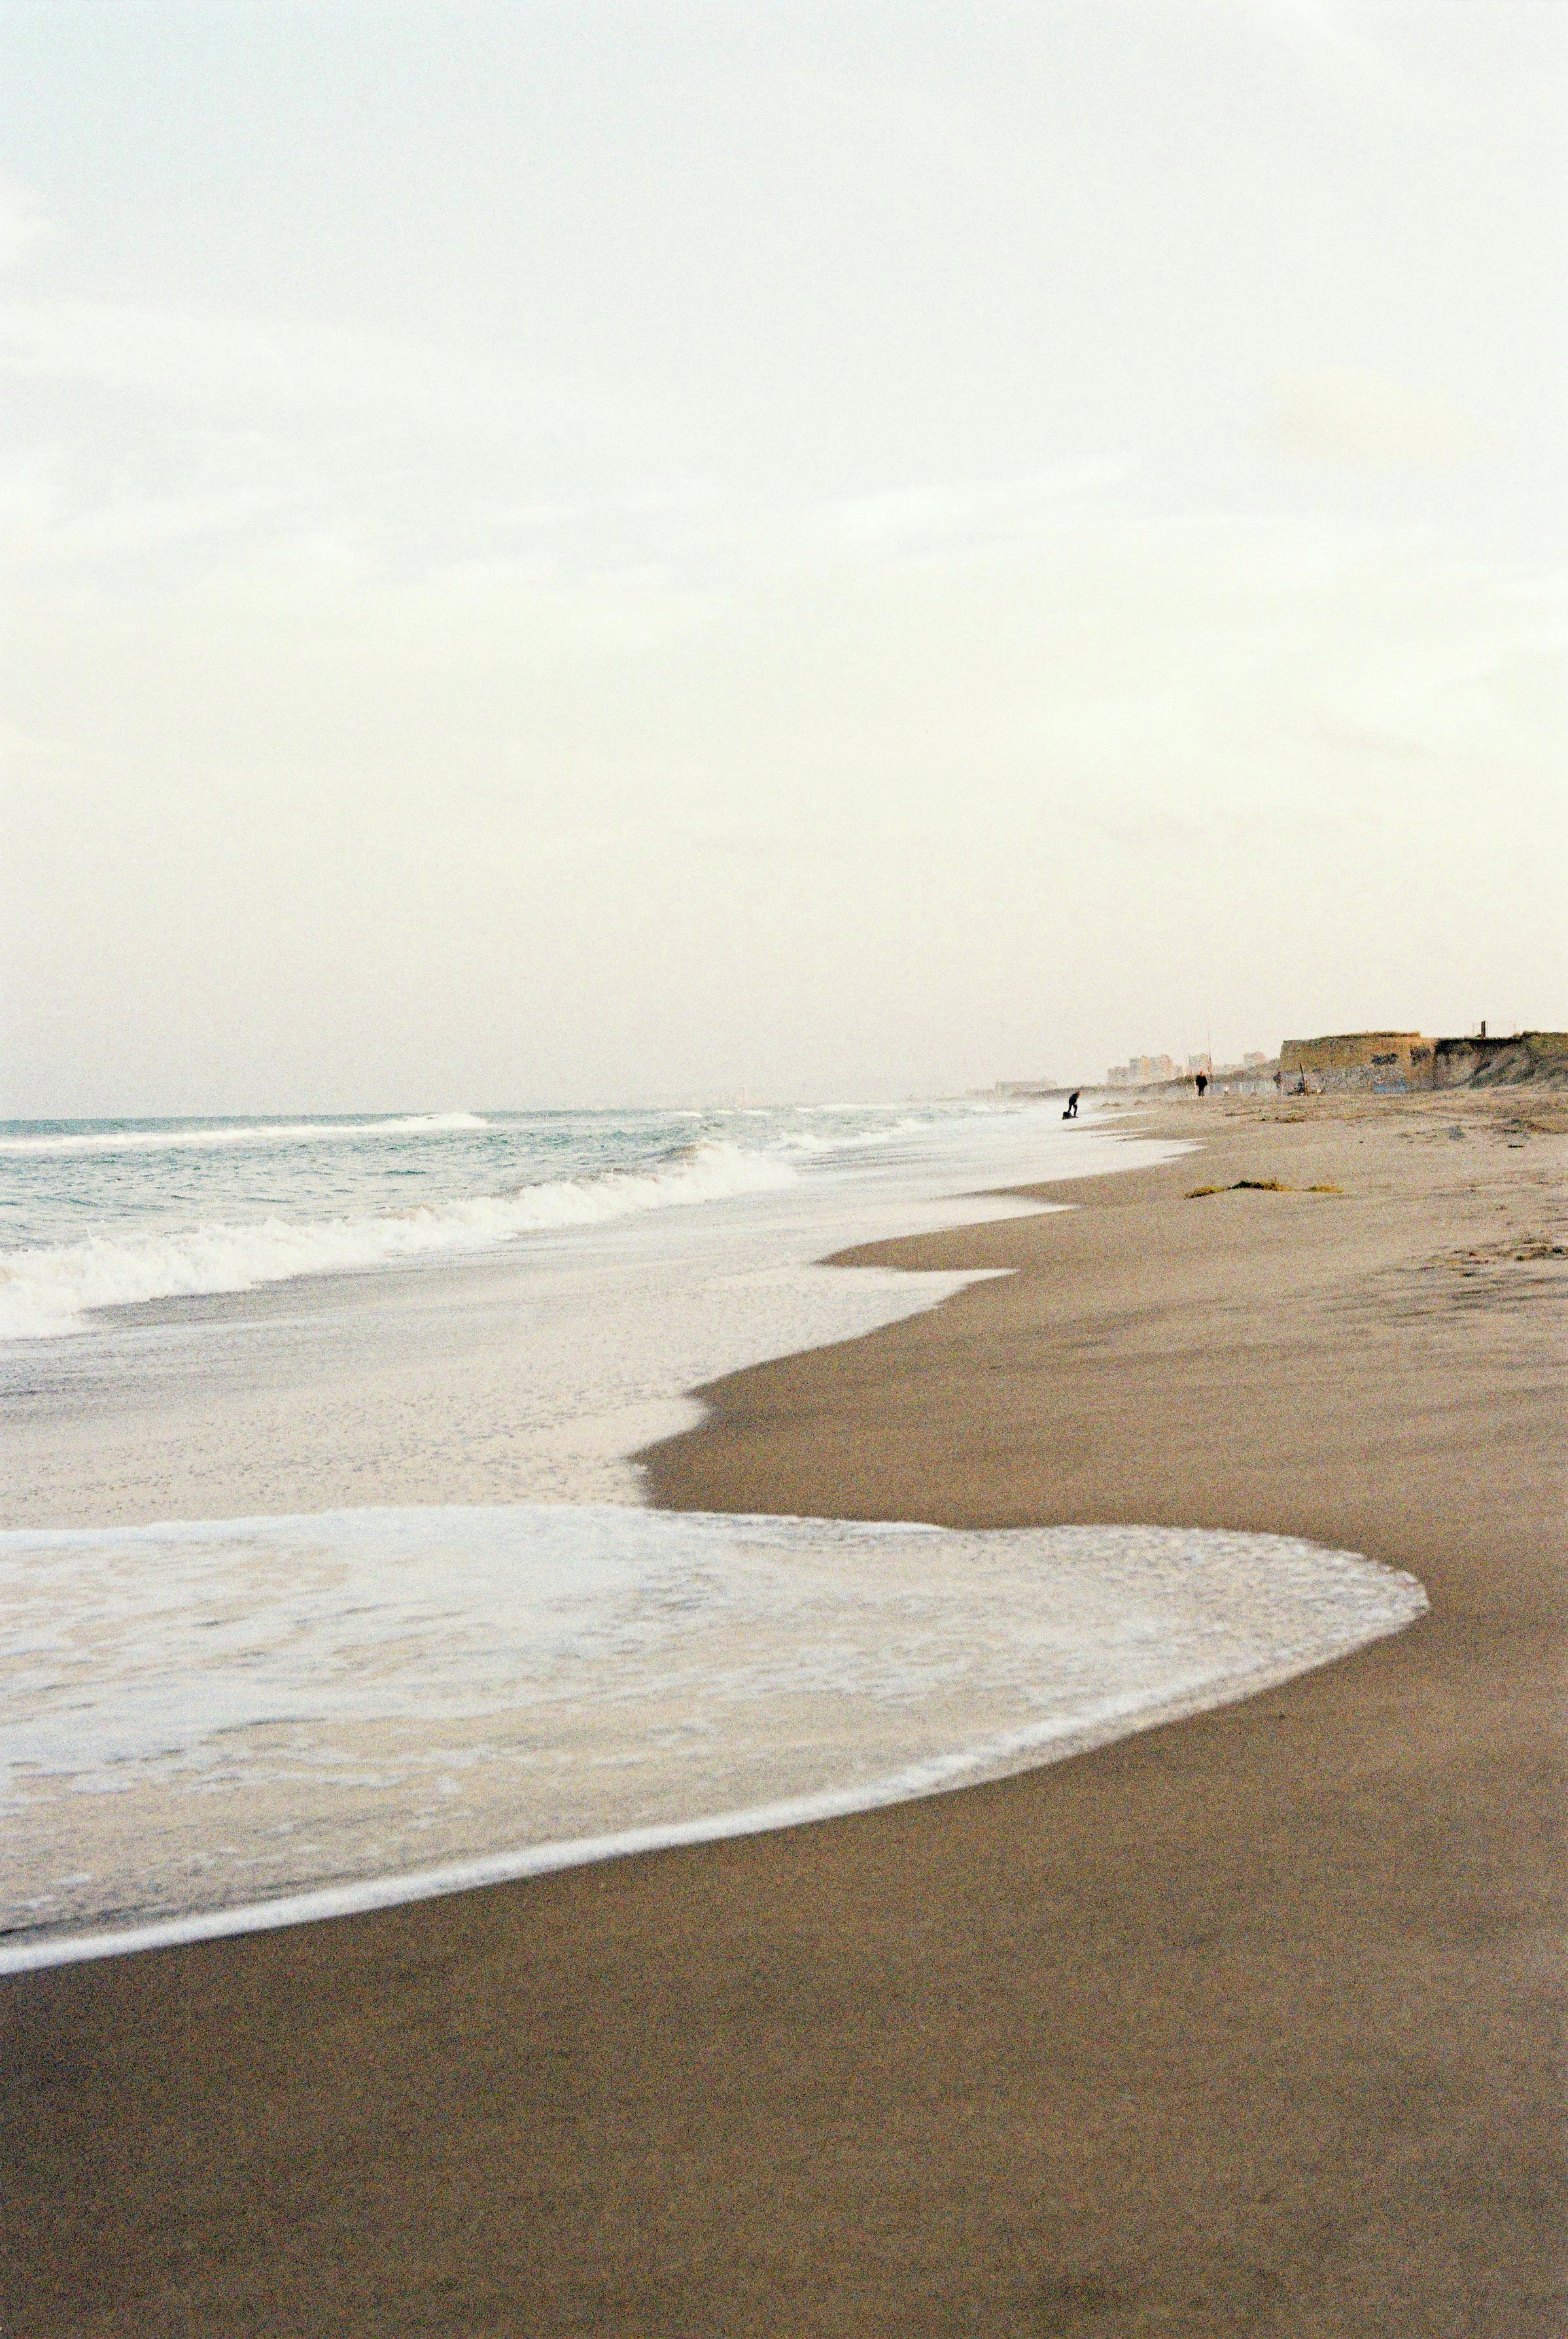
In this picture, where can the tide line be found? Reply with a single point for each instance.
(999, 1757)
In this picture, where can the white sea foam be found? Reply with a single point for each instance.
(808, 1141)
(216, 1725)
(47, 1291)
(217, 1135)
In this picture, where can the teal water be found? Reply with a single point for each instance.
(100, 1214)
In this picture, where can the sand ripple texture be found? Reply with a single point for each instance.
(212, 1726)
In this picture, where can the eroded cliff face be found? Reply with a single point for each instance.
(1496, 1063)
(1397, 1060)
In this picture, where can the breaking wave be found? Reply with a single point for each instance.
(806, 1141)
(222, 1133)
(48, 1291)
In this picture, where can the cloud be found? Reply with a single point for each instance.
(22, 222)
(240, 364)
(957, 514)
(43, 523)
(1316, 24)
(1349, 414)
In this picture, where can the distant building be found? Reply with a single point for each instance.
(1253, 1076)
(1143, 1072)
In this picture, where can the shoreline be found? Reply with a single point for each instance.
(1230, 1615)
(1248, 2022)
(120, 1912)
(534, 1372)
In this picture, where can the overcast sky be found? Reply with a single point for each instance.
(604, 552)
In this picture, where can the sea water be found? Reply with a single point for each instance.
(220, 1724)
(210, 1318)
(103, 1214)
(411, 1627)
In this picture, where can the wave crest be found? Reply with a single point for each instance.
(48, 1292)
(239, 1133)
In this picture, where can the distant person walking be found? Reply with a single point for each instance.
(1202, 1082)
(1072, 1111)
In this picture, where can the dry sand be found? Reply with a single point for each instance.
(1249, 2025)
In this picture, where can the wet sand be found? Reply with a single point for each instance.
(1251, 2024)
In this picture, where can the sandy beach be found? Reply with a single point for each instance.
(1248, 2024)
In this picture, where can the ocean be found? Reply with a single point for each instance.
(203, 1318)
(326, 1577)
(102, 1214)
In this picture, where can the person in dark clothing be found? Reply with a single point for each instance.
(1072, 1111)
(1202, 1082)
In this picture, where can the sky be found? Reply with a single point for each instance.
(656, 550)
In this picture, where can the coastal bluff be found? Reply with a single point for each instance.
(1393, 1061)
